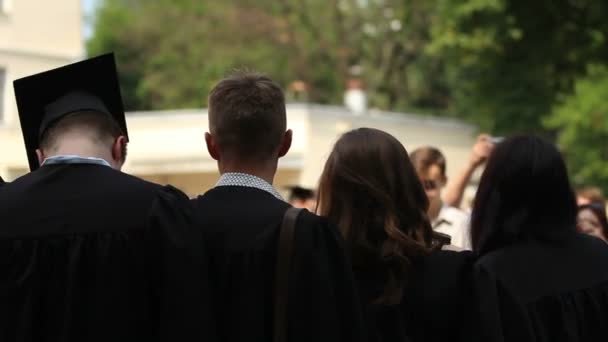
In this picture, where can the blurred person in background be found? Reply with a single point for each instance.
(481, 151)
(590, 194)
(88, 252)
(430, 165)
(241, 221)
(591, 219)
(300, 197)
(536, 277)
(370, 190)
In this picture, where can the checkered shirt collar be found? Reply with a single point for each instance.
(246, 180)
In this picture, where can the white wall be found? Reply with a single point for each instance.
(37, 35)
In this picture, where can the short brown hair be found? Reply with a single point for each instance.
(425, 157)
(102, 127)
(247, 115)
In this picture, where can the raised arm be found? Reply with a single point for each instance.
(480, 152)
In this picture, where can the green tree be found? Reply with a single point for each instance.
(171, 52)
(508, 59)
(582, 121)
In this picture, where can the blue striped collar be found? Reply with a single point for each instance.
(74, 159)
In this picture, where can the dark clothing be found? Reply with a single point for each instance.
(435, 304)
(88, 253)
(241, 227)
(545, 290)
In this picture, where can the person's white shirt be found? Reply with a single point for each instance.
(455, 223)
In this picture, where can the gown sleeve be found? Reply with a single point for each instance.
(323, 304)
(499, 315)
(184, 291)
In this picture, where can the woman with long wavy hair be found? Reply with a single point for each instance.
(370, 190)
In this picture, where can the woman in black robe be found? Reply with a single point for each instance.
(536, 277)
(409, 292)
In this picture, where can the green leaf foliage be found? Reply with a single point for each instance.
(582, 121)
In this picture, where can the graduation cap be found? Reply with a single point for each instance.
(44, 98)
(300, 193)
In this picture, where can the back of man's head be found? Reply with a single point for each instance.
(247, 117)
(424, 157)
(97, 128)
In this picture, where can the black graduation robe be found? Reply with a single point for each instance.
(436, 303)
(88, 253)
(241, 227)
(544, 291)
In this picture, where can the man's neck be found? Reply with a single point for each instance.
(434, 210)
(263, 171)
(80, 147)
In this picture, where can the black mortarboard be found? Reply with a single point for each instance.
(42, 99)
(298, 192)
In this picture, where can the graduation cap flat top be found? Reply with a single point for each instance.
(298, 192)
(42, 99)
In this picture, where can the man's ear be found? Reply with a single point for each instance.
(40, 156)
(212, 147)
(119, 151)
(285, 143)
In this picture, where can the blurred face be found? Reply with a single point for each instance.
(588, 223)
(310, 204)
(580, 200)
(433, 181)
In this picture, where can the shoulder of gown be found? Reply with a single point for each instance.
(543, 291)
(437, 302)
(146, 283)
(323, 302)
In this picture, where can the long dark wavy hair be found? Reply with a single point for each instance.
(370, 190)
(524, 193)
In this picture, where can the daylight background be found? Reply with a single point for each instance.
(505, 65)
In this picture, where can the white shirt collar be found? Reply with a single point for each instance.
(247, 180)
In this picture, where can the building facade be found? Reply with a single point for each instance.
(34, 36)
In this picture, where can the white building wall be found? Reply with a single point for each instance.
(169, 146)
(36, 35)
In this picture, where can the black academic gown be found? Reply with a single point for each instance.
(544, 291)
(436, 302)
(88, 253)
(241, 227)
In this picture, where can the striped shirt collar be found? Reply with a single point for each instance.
(249, 181)
(74, 159)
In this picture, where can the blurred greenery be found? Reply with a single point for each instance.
(582, 120)
(504, 65)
